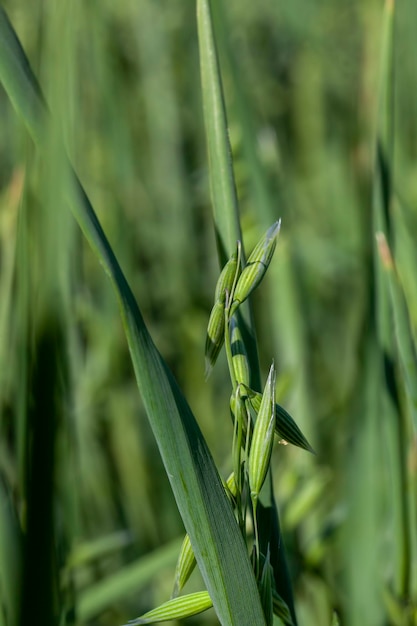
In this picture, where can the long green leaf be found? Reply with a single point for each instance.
(390, 302)
(222, 185)
(206, 512)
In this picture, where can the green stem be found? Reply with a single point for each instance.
(255, 527)
(228, 348)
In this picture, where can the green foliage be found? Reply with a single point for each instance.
(320, 110)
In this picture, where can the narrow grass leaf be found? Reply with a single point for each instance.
(361, 560)
(19, 80)
(178, 608)
(403, 333)
(222, 185)
(204, 507)
(408, 362)
(383, 174)
(389, 296)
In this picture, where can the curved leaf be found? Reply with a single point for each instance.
(208, 517)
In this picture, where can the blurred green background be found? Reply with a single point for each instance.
(301, 83)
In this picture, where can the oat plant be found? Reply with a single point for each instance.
(257, 421)
(241, 586)
(200, 496)
(256, 417)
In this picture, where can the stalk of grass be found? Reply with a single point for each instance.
(222, 183)
(228, 231)
(206, 512)
(361, 542)
(284, 312)
(398, 349)
(260, 192)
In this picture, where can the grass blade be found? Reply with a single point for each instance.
(222, 185)
(390, 302)
(206, 512)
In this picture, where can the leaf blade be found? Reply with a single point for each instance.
(204, 507)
